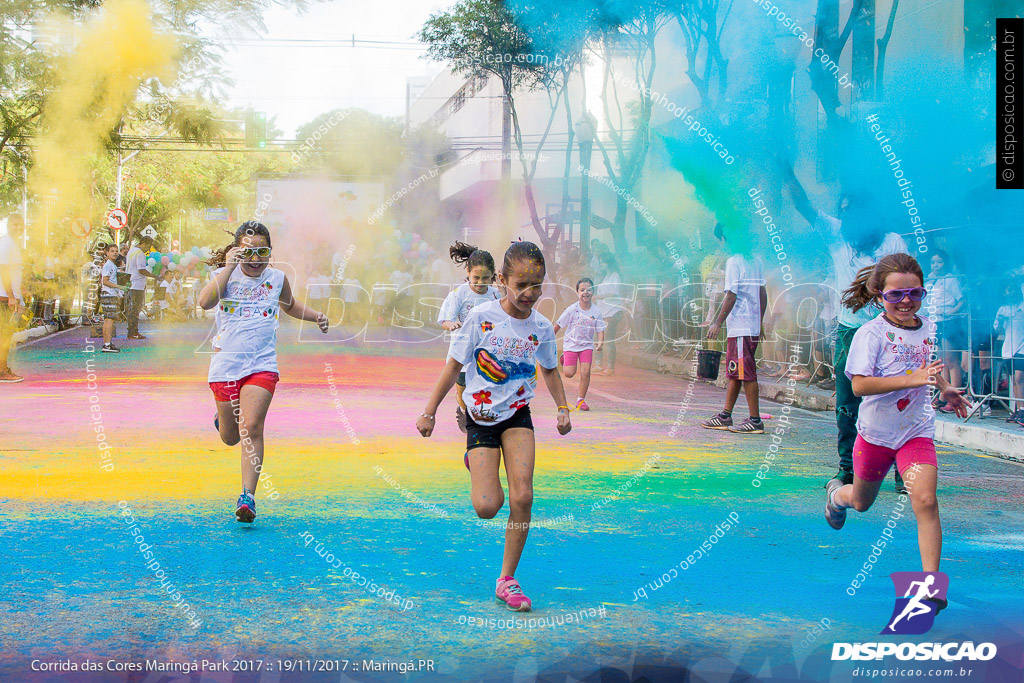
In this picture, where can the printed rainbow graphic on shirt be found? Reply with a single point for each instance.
(499, 371)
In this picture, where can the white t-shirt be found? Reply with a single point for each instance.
(109, 271)
(610, 287)
(170, 288)
(10, 256)
(135, 262)
(247, 322)
(1010, 319)
(846, 263)
(580, 327)
(943, 295)
(744, 279)
(401, 279)
(351, 289)
(880, 349)
(462, 300)
(499, 354)
(319, 287)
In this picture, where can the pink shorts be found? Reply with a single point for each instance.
(569, 358)
(872, 463)
(228, 391)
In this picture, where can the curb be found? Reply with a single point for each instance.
(32, 333)
(1003, 444)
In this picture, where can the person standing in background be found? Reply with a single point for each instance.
(947, 310)
(136, 268)
(12, 303)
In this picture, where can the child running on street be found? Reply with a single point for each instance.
(249, 296)
(890, 366)
(477, 289)
(581, 321)
(500, 346)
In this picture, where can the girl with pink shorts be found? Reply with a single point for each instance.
(890, 366)
(581, 321)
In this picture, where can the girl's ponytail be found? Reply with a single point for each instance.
(858, 294)
(462, 253)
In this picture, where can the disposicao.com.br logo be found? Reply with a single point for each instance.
(919, 597)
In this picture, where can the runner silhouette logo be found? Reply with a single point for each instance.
(918, 595)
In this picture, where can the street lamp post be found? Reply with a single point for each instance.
(585, 133)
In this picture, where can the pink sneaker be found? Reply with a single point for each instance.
(509, 592)
(582, 405)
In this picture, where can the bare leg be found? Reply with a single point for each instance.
(458, 396)
(254, 402)
(732, 392)
(584, 379)
(485, 485)
(518, 449)
(108, 330)
(228, 422)
(921, 482)
(750, 391)
(859, 495)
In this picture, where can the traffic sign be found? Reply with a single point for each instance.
(117, 219)
(81, 227)
(148, 231)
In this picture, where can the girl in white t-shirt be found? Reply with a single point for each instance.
(500, 346)
(582, 321)
(249, 296)
(890, 366)
(477, 289)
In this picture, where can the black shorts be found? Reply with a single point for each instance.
(489, 436)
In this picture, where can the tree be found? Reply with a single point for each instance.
(632, 30)
(483, 38)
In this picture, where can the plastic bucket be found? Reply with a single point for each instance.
(707, 364)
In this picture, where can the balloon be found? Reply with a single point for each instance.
(423, 248)
(398, 234)
(165, 259)
(195, 250)
(172, 266)
(151, 262)
(176, 258)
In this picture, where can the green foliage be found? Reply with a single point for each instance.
(350, 142)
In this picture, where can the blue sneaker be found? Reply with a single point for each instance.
(246, 508)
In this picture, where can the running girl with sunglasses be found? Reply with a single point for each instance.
(890, 366)
(249, 296)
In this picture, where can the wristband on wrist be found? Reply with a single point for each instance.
(429, 417)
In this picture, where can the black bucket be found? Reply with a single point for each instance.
(707, 364)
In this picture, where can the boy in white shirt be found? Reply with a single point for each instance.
(743, 308)
(110, 297)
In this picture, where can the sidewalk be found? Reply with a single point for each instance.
(991, 435)
(33, 333)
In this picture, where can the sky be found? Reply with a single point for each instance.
(287, 73)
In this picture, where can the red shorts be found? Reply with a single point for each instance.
(739, 359)
(872, 463)
(570, 358)
(228, 391)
